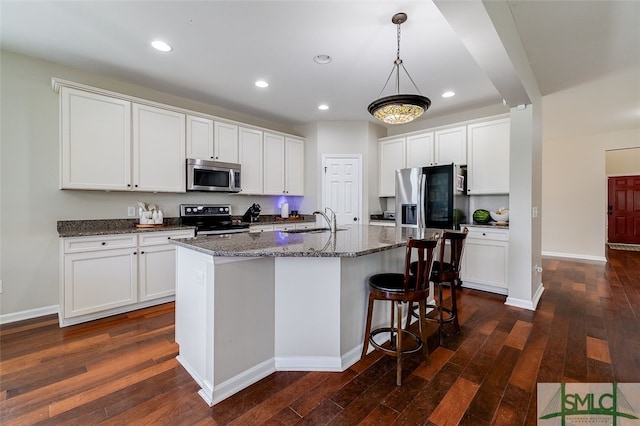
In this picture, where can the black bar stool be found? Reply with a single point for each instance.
(446, 274)
(402, 288)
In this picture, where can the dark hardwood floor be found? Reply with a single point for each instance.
(122, 370)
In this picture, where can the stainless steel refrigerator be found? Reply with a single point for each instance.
(432, 197)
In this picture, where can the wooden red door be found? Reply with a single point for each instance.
(624, 209)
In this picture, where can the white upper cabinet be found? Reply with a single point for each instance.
(158, 149)
(294, 166)
(488, 167)
(95, 141)
(420, 150)
(273, 164)
(451, 146)
(250, 159)
(283, 165)
(225, 142)
(114, 142)
(199, 137)
(391, 156)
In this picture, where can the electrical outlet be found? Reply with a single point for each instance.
(0, 286)
(131, 211)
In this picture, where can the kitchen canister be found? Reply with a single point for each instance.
(284, 210)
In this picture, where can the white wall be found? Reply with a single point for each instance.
(31, 202)
(579, 125)
(622, 162)
(342, 137)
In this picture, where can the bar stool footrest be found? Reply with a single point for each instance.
(392, 349)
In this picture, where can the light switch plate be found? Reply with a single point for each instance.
(131, 211)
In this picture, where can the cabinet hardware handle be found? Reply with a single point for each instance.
(129, 185)
(141, 252)
(136, 185)
(484, 235)
(103, 243)
(135, 252)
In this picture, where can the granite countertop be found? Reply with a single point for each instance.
(353, 241)
(487, 225)
(84, 228)
(271, 219)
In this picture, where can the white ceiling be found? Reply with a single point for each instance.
(222, 47)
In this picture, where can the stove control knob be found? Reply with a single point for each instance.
(188, 209)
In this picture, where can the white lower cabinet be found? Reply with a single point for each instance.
(99, 280)
(108, 274)
(281, 227)
(486, 259)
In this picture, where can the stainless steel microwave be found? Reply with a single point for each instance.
(205, 175)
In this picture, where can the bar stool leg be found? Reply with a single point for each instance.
(367, 330)
(440, 316)
(422, 320)
(454, 307)
(399, 345)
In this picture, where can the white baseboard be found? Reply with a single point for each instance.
(29, 314)
(526, 304)
(574, 256)
(246, 378)
(308, 363)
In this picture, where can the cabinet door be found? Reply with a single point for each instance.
(420, 150)
(488, 168)
(250, 153)
(98, 280)
(225, 142)
(294, 166)
(391, 157)
(96, 141)
(273, 164)
(451, 146)
(199, 138)
(159, 149)
(485, 262)
(157, 271)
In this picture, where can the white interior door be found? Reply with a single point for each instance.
(342, 187)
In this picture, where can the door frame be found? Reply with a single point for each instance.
(358, 157)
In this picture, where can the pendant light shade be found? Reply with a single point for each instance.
(399, 108)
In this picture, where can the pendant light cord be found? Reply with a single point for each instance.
(396, 67)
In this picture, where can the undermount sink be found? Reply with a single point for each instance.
(309, 230)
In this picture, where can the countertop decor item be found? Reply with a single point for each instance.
(481, 216)
(501, 215)
(399, 108)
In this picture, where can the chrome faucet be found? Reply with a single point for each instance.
(331, 222)
(334, 220)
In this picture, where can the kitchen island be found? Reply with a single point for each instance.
(251, 304)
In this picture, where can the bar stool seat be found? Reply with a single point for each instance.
(402, 288)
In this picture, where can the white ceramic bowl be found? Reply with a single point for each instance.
(504, 217)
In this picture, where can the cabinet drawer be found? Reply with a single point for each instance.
(488, 234)
(260, 228)
(99, 242)
(155, 238)
(284, 227)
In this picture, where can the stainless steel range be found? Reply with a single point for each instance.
(210, 219)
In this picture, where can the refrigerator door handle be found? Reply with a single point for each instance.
(422, 196)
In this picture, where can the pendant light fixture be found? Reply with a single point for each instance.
(399, 108)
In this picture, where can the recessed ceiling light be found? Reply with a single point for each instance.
(323, 107)
(161, 46)
(448, 94)
(261, 84)
(322, 59)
